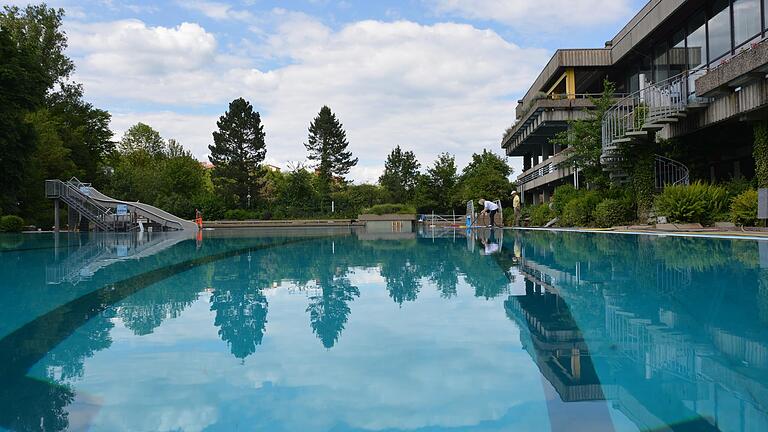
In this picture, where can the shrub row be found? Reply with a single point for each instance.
(11, 223)
(381, 209)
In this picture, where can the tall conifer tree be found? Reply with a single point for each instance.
(327, 146)
(237, 152)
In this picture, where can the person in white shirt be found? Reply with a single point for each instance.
(490, 208)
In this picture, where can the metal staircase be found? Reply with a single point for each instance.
(635, 119)
(70, 193)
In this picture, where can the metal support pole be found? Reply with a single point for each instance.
(56, 215)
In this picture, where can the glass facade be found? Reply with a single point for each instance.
(719, 30)
(697, 40)
(660, 64)
(677, 57)
(746, 20)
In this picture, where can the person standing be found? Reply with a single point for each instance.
(490, 208)
(516, 207)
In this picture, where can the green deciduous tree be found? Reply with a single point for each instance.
(37, 29)
(22, 87)
(142, 137)
(327, 146)
(438, 185)
(584, 138)
(401, 171)
(486, 176)
(237, 153)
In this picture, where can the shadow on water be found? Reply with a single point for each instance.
(671, 331)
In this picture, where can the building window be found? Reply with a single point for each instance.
(697, 41)
(678, 61)
(719, 30)
(746, 20)
(660, 64)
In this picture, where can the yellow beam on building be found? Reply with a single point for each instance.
(570, 83)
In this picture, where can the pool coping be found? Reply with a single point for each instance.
(741, 235)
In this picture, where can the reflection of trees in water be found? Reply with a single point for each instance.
(67, 359)
(240, 304)
(32, 405)
(328, 312)
(146, 310)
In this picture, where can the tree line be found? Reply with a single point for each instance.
(48, 130)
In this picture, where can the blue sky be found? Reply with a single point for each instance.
(428, 75)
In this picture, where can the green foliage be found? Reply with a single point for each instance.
(697, 203)
(611, 212)
(540, 214)
(240, 214)
(760, 152)
(11, 223)
(486, 176)
(237, 153)
(578, 211)
(737, 186)
(643, 181)
(382, 209)
(435, 190)
(23, 88)
(584, 138)
(562, 196)
(401, 171)
(327, 146)
(37, 29)
(744, 208)
(142, 137)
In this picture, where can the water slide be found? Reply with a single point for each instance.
(146, 211)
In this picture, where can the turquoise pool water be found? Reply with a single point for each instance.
(322, 330)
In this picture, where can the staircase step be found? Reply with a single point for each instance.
(666, 120)
(653, 127)
(621, 141)
(639, 133)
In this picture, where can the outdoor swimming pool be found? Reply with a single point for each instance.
(320, 330)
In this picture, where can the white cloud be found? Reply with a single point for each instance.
(544, 15)
(217, 10)
(428, 88)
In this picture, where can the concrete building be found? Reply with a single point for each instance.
(694, 72)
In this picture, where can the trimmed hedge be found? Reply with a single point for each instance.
(744, 208)
(578, 211)
(612, 212)
(381, 209)
(240, 214)
(11, 223)
(562, 196)
(541, 214)
(697, 203)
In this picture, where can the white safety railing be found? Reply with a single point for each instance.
(654, 103)
(669, 172)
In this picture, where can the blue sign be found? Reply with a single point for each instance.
(122, 209)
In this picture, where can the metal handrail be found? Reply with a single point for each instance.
(655, 102)
(669, 172)
(539, 172)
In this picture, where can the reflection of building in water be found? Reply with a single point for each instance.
(556, 343)
(656, 362)
(89, 254)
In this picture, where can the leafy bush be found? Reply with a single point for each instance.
(698, 202)
(11, 223)
(611, 212)
(240, 214)
(744, 208)
(578, 211)
(736, 187)
(541, 214)
(381, 209)
(562, 196)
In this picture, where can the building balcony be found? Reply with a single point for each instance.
(546, 171)
(544, 118)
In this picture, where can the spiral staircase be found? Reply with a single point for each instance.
(635, 120)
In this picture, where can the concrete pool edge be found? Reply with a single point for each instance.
(740, 235)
